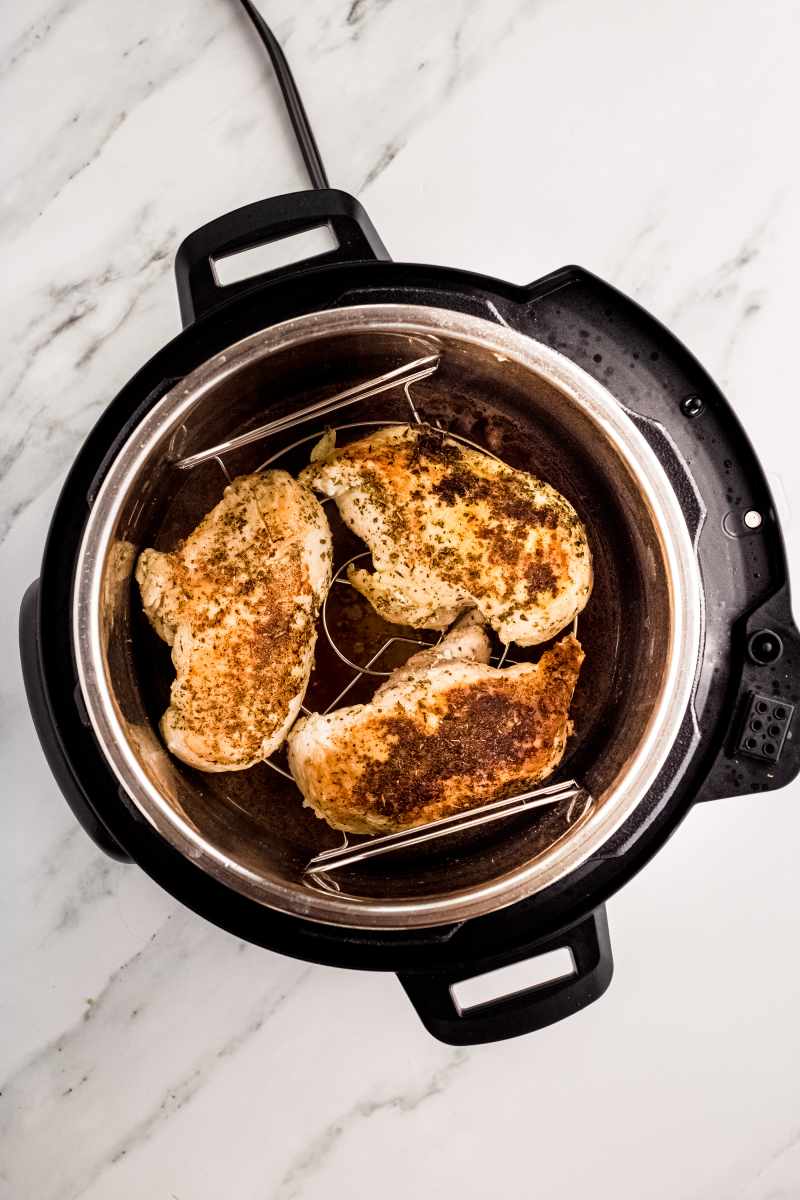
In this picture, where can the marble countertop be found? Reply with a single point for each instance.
(146, 1053)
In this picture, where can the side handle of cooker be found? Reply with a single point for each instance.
(47, 732)
(268, 221)
(761, 747)
(588, 943)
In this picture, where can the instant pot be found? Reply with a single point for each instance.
(689, 687)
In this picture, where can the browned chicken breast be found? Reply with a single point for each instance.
(451, 528)
(238, 603)
(445, 732)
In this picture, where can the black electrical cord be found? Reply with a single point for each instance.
(297, 113)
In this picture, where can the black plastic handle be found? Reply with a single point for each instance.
(47, 732)
(761, 750)
(523, 1012)
(268, 221)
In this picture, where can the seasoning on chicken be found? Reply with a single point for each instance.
(238, 601)
(451, 528)
(444, 733)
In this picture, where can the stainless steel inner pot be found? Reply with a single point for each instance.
(533, 408)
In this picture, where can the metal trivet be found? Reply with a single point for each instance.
(348, 854)
(412, 372)
(317, 871)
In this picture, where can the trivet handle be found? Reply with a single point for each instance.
(522, 1012)
(268, 221)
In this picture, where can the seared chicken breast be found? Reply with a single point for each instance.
(238, 602)
(444, 733)
(451, 528)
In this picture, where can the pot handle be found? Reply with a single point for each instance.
(268, 221)
(47, 733)
(431, 993)
(760, 751)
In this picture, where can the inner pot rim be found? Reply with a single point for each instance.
(678, 560)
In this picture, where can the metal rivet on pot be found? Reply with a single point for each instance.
(765, 647)
(692, 406)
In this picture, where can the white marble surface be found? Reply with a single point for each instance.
(145, 1053)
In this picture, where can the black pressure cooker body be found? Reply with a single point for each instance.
(737, 737)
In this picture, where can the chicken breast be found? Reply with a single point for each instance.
(238, 602)
(451, 528)
(444, 733)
